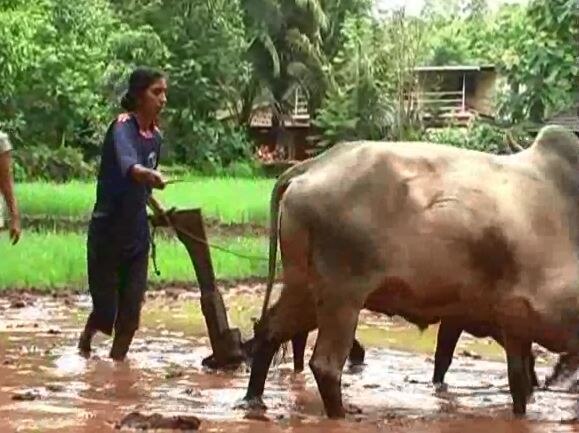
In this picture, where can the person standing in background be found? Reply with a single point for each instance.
(7, 191)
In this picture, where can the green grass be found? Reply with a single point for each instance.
(50, 261)
(231, 200)
(406, 337)
(186, 314)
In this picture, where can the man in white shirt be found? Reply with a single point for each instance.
(7, 190)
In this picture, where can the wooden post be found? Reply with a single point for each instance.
(463, 92)
(296, 101)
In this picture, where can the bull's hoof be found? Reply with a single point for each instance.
(519, 409)
(355, 368)
(440, 387)
(336, 413)
(84, 344)
(251, 403)
(357, 353)
(353, 410)
(84, 353)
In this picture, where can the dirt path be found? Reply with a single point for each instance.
(69, 394)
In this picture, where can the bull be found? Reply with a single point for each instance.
(448, 333)
(427, 232)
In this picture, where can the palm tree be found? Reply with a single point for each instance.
(292, 45)
(285, 40)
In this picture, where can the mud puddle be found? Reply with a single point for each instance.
(46, 387)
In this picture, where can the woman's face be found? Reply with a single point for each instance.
(154, 98)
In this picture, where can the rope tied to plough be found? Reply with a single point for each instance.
(197, 239)
(158, 210)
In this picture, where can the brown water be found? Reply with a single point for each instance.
(163, 374)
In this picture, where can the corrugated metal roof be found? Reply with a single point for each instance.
(455, 68)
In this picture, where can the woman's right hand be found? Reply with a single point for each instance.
(157, 180)
(153, 178)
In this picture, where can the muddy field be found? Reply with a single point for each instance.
(46, 387)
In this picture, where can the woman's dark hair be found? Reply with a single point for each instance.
(139, 81)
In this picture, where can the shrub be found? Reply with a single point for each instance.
(477, 135)
(210, 146)
(42, 163)
(245, 169)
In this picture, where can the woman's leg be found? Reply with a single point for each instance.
(133, 285)
(103, 281)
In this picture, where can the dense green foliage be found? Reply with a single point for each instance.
(534, 47)
(477, 136)
(63, 67)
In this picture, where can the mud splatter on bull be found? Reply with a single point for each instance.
(493, 257)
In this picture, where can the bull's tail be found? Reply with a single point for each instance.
(273, 236)
(279, 188)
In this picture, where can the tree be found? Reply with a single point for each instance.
(293, 44)
(53, 68)
(373, 79)
(203, 45)
(356, 105)
(285, 39)
(538, 56)
(458, 32)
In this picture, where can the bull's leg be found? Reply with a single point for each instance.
(292, 315)
(298, 349)
(357, 353)
(356, 356)
(565, 367)
(448, 335)
(532, 372)
(336, 330)
(530, 359)
(262, 357)
(519, 379)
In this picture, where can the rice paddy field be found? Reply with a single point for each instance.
(229, 200)
(49, 259)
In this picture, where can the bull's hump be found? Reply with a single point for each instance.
(423, 156)
(556, 133)
(557, 140)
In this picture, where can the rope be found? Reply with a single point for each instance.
(193, 237)
(198, 239)
(154, 252)
(218, 247)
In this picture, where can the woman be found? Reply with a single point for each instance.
(118, 237)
